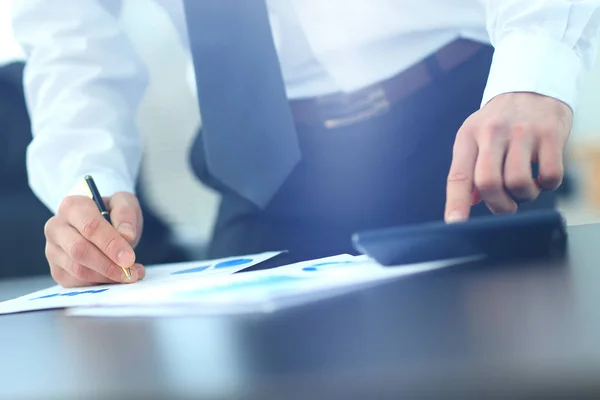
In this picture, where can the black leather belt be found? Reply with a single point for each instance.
(343, 109)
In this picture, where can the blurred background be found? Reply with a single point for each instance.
(179, 211)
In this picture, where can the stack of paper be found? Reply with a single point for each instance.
(212, 287)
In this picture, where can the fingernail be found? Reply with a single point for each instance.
(455, 216)
(125, 259)
(126, 229)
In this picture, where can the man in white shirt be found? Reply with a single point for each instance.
(400, 116)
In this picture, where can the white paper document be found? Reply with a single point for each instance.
(213, 287)
(259, 291)
(157, 278)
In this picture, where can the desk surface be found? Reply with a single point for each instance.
(523, 329)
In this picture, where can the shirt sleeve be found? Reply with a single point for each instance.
(83, 83)
(541, 46)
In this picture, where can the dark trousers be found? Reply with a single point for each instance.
(390, 170)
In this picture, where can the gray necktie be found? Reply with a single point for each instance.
(248, 131)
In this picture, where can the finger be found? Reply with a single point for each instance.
(126, 216)
(83, 256)
(89, 276)
(82, 214)
(459, 188)
(65, 279)
(77, 269)
(550, 162)
(518, 176)
(488, 174)
(141, 271)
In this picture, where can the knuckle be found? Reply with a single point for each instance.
(552, 169)
(125, 199)
(554, 176)
(79, 250)
(518, 182)
(488, 185)
(49, 226)
(468, 127)
(104, 268)
(48, 252)
(90, 227)
(67, 203)
(111, 245)
(128, 214)
(521, 132)
(57, 274)
(458, 176)
(487, 139)
(548, 130)
(493, 126)
(78, 271)
(134, 201)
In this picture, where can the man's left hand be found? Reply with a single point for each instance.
(494, 150)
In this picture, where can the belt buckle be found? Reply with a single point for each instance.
(340, 110)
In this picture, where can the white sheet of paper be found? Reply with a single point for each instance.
(260, 291)
(157, 276)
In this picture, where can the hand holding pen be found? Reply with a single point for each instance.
(97, 198)
(91, 241)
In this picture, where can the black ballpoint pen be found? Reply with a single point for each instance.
(95, 195)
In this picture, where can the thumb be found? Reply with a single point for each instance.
(126, 216)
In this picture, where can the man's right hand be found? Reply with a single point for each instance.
(83, 249)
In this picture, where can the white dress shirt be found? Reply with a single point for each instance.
(84, 80)
(10, 51)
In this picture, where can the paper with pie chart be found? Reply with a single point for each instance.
(157, 278)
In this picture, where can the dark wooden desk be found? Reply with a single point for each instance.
(526, 331)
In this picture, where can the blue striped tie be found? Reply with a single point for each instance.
(249, 134)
